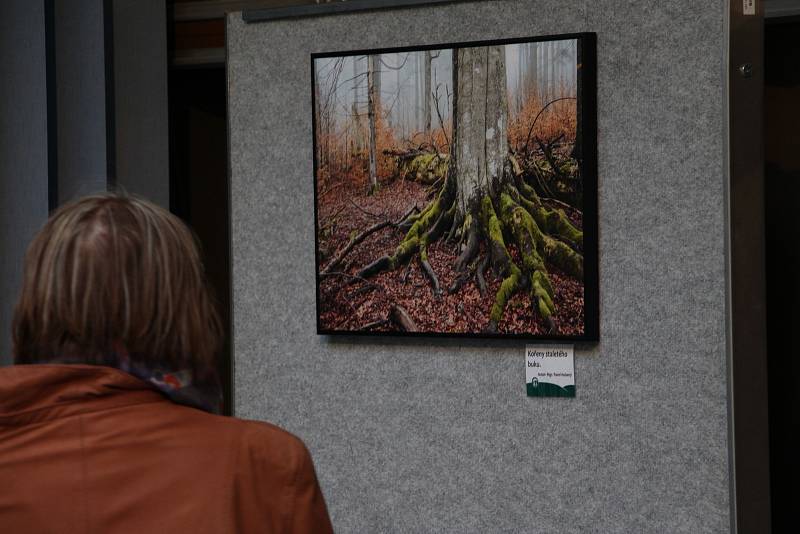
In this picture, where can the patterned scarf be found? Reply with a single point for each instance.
(175, 384)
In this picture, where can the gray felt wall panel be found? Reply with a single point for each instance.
(438, 436)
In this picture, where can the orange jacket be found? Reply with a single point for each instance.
(91, 449)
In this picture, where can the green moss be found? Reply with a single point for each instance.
(426, 218)
(563, 257)
(543, 280)
(544, 310)
(553, 222)
(425, 168)
(569, 167)
(531, 243)
(492, 223)
(528, 192)
(559, 224)
(507, 289)
(467, 223)
(542, 292)
(404, 251)
(415, 239)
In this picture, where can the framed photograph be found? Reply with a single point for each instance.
(456, 190)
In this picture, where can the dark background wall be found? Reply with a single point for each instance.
(782, 189)
(141, 123)
(83, 108)
(81, 104)
(23, 146)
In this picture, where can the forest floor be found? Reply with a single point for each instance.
(350, 304)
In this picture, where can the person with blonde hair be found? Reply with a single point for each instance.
(108, 419)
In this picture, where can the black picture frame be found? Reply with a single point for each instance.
(587, 42)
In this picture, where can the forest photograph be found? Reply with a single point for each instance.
(450, 190)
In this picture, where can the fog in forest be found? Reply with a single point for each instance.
(546, 69)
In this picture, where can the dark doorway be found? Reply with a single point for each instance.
(199, 182)
(782, 199)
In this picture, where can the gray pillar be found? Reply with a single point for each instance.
(111, 71)
(81, 98)
(23, 146)
(140, 98)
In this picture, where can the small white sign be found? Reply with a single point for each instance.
(749, 7)
(550, 370)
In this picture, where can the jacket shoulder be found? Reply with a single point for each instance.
(274, 466)
(257, 445)
(263, 442)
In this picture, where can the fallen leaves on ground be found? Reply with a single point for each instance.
(349, 304)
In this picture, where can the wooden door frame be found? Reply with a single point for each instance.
(746, 327)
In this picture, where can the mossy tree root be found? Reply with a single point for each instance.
(425, 228)
(431, 236)
(481, 281)
(520, 217)
(472, 232)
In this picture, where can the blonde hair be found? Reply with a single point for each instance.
(111, 273)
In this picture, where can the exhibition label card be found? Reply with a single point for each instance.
(550, 370)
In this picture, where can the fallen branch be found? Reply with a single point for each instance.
(374, 324)
(405, 154)
(361, 237)
(429, 272)
(331, 188)
(400, 317)
(352, 244)
(559, 203)
(331, 219)
(362, 210)
(548, 154)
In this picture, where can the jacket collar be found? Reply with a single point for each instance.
(40, 392)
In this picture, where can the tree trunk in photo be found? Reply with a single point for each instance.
(480, 124)
(357, 135)
(552, 67)
(373, 106)
(533, 87)
(318, 121)
(417, 93)
(427, 91)
(548, 60)
(522, 76)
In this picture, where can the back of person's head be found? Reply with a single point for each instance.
(111, 274)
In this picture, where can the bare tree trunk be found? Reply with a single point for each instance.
(546, 71)
(534, 85)
(522, 75)
(417, 116)
(373, 106)
(427, 91)
(552, 67)
(318, 120)
(481, 122)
